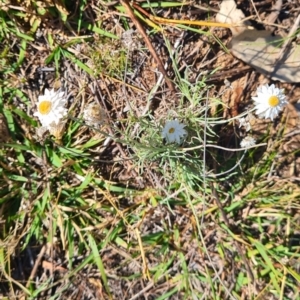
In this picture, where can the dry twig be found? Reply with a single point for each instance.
(148, 43)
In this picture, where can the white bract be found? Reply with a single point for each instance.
(174, 131)
(244, 122)
(247, 142)
(50, 107)
(57, 129)
(269, 101)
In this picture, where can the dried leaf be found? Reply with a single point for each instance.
(57, 130)
(230, 14)
(260, 50)
(61, 7)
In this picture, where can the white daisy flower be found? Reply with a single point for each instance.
(173, 131)
(247, 142)
(269, 101)
(50, 107)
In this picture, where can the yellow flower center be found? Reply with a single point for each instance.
(45, 107)
(171, 130)
(273, 101)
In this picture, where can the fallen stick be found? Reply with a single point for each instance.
(148, 43)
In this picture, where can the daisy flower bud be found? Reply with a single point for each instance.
(247, 142)
(94, 115)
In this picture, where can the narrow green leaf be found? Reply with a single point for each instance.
(274, 275)
(78, 63)
(98, 262)
(18, 147)
(18, 178)
(22, 52)
(86, 181)
(167, 295)
(10, 122)
(54, 158)
(73, 151)
(99, 31)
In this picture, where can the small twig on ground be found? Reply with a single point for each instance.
(254, 7)
(223, 148)
(36, 265)
(204, 8)
(148, 43)
(274, 14)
